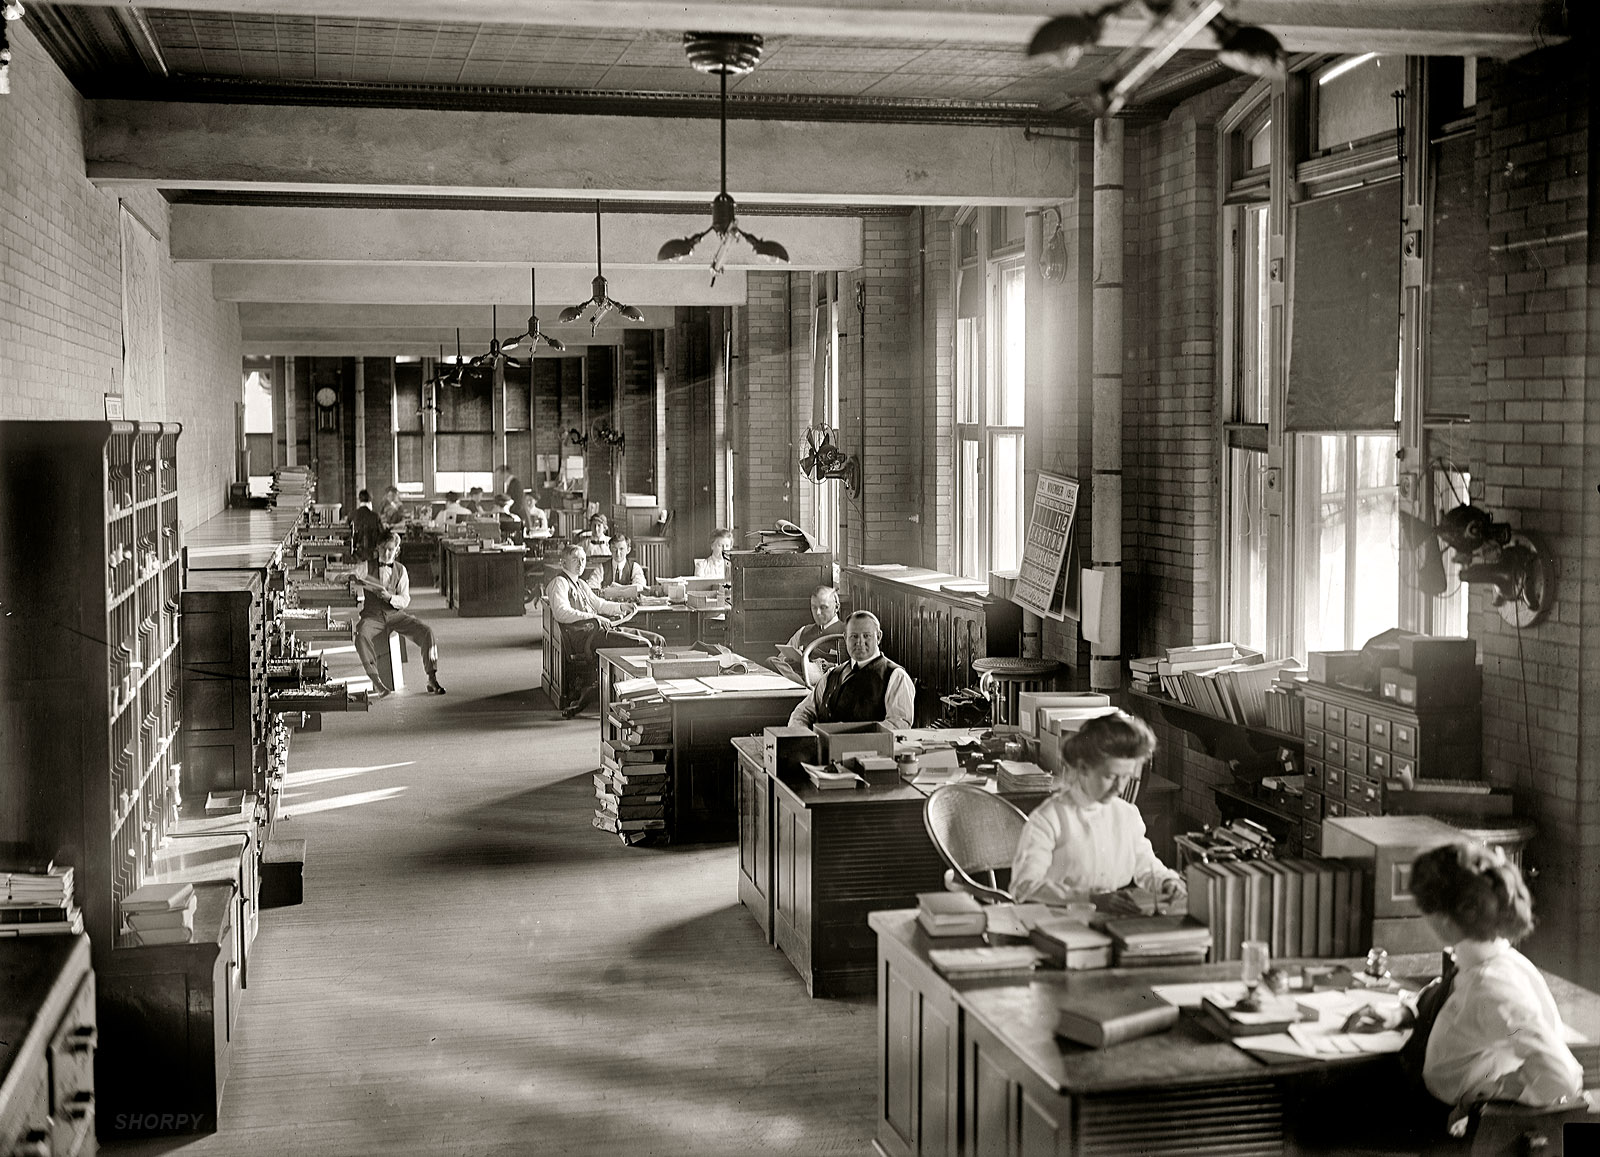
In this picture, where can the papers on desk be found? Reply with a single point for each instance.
(677, 688)
(749, 683)
(828, 779)
(883, 567)
(1014, 919)
(630, 688)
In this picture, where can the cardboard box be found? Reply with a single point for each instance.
(1387, 845)
(1336, 666)
(1029, 702)
(1436, 655)
(784, 748)
(877, 770)
(841, 739)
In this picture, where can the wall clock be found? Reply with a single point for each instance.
(327, 408)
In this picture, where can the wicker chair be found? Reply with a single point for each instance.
(976, 832)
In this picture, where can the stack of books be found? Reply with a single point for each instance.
(293, 483)
(1301, 907)
(1016, 776)
(160, 913)
(641, 714)
(1274, 1014)
(1286, 707)
(1145, 674)
(831, 778)
(631, 790)
(785, 538)
(1072, 945)
(37, 900)
(950, 914)
(1158, 941)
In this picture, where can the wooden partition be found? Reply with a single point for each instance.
(933, 633)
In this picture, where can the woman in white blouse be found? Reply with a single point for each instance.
(1495, 1033)
(1086, 839)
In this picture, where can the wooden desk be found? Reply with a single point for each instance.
(704, 803)
(481, 583)
(975, 1067)
(813, 864)
(419, 554)
(47, 1045)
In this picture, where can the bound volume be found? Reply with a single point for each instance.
(1104, 1018)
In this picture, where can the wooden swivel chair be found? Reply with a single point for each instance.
(976, 832)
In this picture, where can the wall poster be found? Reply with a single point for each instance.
(143, 372)
(1040, 586)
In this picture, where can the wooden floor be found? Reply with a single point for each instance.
(476, 970)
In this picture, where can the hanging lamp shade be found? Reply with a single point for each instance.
(600, 296)
(724, 54)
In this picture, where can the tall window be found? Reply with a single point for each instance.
(408, 417)
(991, 360)
(1247, 360)
(465, 441)
(1347, 527)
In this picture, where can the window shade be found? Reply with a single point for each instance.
(1345, 343)
(1459, 278)
(969, 293)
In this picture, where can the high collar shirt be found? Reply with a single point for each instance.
(1498, 1019)
(1071, 844)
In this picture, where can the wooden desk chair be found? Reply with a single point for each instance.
(976, 832)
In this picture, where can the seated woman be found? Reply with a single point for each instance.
(1086, 839)
(715, 564)
(596, 537)
(628, 578)
(1495, 1033)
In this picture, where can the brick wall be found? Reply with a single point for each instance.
(1535, 446)
(61, 289)
(764, 486)
(938, 390)
(878, 526)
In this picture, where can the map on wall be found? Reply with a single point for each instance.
(1039, 581)
(143, 377)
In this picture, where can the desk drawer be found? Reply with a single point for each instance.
(1378, 729)
(1314, 716)
(1355, 758)
(1333, 749)
(1333, 780)
(72, 1071)
(1311, 838)
(1313, 741)
(1333, 718)
(1403, 738)
(1377, 763)
(1355, 726)
(1314, 773)
(1311, 804)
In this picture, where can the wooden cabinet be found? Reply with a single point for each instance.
(919, 1047)
(226, 726)
(88, 666)
(479, 583)
(772, 596)
(167, 1020)
(755, 842)
(47, 1046)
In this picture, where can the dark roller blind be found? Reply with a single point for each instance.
(969, 293)
(1457, 281)
(1346, 329)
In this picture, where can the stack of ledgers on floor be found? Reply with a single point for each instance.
(38, 900)
(631, 790)
(160, 913)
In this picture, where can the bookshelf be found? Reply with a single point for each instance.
(1250, 752)
(88, 672)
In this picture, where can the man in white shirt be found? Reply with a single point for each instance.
(588, 621)
(628, 578)
(453, 511)
(869, 688)
(386, 593)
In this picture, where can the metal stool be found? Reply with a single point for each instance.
(1004, 679)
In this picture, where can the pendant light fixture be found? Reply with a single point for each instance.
(526, 343)
(723, 53)
(454, 377)
(496, 352)
(601, 297)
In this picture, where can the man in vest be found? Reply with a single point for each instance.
(869, 688)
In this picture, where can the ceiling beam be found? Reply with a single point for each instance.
(248, 234)
(409, 151)
(264, 316)
(505, 287)
(1441, 27)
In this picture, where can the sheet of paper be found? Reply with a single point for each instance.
(1189, 995)
(682, 687)
(750, 683)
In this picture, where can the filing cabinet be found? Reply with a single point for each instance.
(1360, 747)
